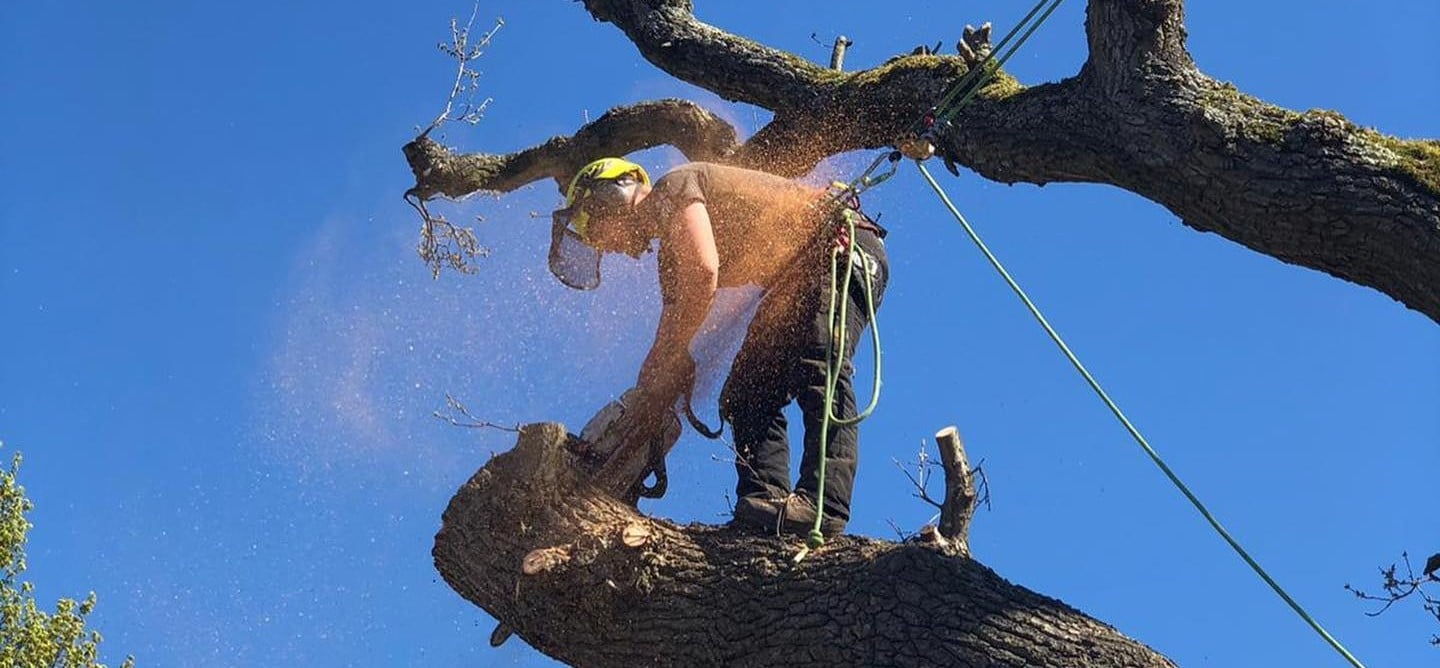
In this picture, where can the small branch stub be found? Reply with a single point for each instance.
(930, 535)
(959, 506)
(544, 559)
(501, 633)
(837, 52)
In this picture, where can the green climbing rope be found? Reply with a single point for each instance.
(835, 359)
(958, 96)
(1135, 433)
(839, 323)
(986, 69)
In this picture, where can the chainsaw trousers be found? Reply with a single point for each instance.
(783, 359)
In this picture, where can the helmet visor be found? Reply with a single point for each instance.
(575, 263)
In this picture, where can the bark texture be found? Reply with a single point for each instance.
(1310, 189)
(666, 595)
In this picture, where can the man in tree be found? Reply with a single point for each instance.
(722, 226)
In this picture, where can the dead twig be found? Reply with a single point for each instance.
(443, 243)
(467, 79)
(900, 534)
(465, 419)
(984, 491)
(925, 466)
(1398, 588)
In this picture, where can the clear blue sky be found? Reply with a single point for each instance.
(219, 352)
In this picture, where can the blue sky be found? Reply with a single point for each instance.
(219, 353)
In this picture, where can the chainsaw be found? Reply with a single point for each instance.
(598, 442)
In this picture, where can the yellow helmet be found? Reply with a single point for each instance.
(597, 182)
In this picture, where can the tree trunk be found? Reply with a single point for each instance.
(662, 594)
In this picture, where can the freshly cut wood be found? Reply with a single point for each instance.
(635, 535)
(544, 559)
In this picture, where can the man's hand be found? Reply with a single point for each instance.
(643, 433)
(641, 423)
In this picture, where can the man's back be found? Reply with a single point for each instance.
(760, 221)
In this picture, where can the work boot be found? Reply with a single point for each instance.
(793, 514)
(800, 518)
(759, 512)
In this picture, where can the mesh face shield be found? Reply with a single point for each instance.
(574, 262)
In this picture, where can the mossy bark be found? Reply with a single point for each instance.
(1310, 189)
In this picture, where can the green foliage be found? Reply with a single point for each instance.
(29, 636)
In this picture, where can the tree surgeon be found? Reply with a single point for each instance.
(722, 226)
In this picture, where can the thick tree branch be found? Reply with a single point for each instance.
(1309, 189)
(697, 133)
(609, 587)
(669, 36)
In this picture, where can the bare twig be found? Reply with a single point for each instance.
(443, 243)
(900, 534)
(984, 487)
(467, 79)
(735, 457)
(1399, 588)
(460, 416)
(921, 478)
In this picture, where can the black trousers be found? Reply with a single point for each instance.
(782, 360)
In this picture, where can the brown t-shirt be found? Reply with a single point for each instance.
(761, 222)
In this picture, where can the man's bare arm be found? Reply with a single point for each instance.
(665, 373)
